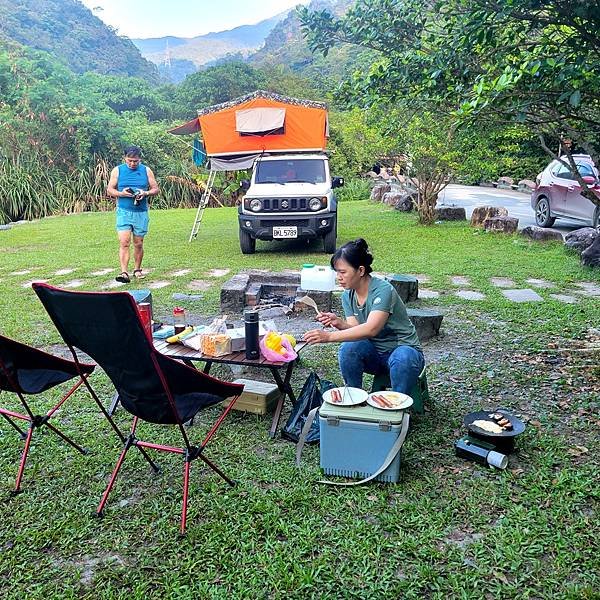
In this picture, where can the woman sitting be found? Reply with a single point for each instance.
(377, 335)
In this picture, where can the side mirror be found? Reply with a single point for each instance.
(245, 184)
(589, 179)
(337, 182)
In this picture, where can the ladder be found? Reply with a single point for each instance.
(203, 204)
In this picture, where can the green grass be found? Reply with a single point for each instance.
(448, 529)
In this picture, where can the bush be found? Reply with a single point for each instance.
(353, 190)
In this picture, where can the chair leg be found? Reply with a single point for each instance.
(21, 432)
(217, 470)
(66, 439)
(113, 477)
(186, 485)
(23, 459)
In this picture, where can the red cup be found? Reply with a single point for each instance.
(145, 311)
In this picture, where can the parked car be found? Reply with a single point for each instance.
(557, 193)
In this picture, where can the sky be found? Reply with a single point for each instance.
(183, 18)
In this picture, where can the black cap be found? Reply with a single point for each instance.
(251, 316)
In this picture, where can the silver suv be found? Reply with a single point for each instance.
(557, 193)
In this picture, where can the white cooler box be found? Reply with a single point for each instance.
(356, 440)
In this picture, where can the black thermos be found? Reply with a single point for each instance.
(251, 331)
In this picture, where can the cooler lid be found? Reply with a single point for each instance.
(361, 412)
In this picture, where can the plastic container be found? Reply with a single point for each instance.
(313, 277)
(251, 334)
(355, 441)
(178, 319)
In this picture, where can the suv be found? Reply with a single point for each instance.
(290, 196)
(558, 194)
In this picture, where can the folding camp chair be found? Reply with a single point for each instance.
(152, 387)
(27, 371)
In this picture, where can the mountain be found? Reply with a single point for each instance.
(73, 35)
(201, 50)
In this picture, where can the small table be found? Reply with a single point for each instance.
(188, 356)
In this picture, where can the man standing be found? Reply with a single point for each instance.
(131, 183)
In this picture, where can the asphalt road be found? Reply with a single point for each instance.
(517, 204)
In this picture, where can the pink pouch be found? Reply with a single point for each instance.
(288, 356)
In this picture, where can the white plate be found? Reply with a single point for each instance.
(285, 233)
(351, 396)
(398, 400)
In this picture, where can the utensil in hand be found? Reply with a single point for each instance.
(310, 302)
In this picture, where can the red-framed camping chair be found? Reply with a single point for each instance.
(26, 371)
(152, 387)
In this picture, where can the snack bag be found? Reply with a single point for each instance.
(277, 348)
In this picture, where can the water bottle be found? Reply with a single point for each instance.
(480, 452)
(178, 319)
(251, 332)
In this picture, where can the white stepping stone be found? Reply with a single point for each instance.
(28, 283)
(219, 272)
(524, 295)
(24, 272)
(588, 288)
(564, 298)
(180, 273)
(460, 280)
(102, 272)
(74, 283)
(470, 295)
(502, 282)
(110, 285)
(420, 277)
(199, 285)
(540, 283)
(157, 285)
(64, 271)
(425, 293)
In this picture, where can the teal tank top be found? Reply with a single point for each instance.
(137, 179)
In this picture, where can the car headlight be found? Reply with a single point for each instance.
(314, 204)
(255, 205)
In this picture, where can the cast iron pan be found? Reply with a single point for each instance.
(518, 425)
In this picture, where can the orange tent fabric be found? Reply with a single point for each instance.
(305, 126)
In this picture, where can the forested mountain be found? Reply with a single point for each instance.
(73, 35)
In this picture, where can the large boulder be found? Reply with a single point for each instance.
(501, 224)
(526, 186)
(391, 198)
(379, 190)
(505, 183)
(450, 213)
(542, 235)
(581, 239)
(590, 257)
(406, 202)
(481, 213)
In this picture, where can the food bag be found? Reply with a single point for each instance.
(276, 348)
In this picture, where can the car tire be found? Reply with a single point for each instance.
(329, 240)
(247, 242)
(542, 213)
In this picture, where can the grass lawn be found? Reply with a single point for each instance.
(449, 529)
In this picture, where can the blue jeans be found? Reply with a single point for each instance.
(404, 364)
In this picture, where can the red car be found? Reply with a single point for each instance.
(557, 193)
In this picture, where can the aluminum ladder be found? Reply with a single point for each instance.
(203, 204)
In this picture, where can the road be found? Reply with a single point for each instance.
(517, 204)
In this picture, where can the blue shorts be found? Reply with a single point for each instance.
(136, 221)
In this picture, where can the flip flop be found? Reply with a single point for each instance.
(137, 273)
(123, 277)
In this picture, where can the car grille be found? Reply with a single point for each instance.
(284, 204)
(285, 223)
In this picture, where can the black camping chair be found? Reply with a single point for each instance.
(27, 371)
(152, 387)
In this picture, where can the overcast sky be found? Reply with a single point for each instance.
(183, 18)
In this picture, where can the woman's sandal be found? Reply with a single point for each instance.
(137, 273)
(123, 277)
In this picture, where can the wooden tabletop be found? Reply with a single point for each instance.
(235, 358)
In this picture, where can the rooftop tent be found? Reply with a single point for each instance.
(260, 122)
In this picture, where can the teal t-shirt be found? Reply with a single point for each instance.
(137, 179)
(398, 330)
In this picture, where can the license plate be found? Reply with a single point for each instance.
(285, 233)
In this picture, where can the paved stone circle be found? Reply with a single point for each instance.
(523, 295)
(470, 295)
(180, 273)
(74, 283)
(425, 293)
(24, 272)
(199, 285)
(460, 280)
(102, 272)
(502, 282)
(540, 283)
(64, 271)
(218, 272)
(157, 285)
(564, 298)
(588, 288)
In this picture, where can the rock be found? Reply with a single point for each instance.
(372, 175)
(542, 235)
(501, 224)
(391, 198)
(379, 190)
(406, 202)
(590, 257)
(581, 239)
(481, 213)
(427, 322)
(5, 227)
(450, 213)
(505, 183)
(407, 286)
(188, 297)
(526, 185)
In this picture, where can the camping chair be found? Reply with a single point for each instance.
(27, 371)
(151, 386)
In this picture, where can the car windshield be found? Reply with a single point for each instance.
(289, 171)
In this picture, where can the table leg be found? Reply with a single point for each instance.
(207, 366)
(286, 390)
